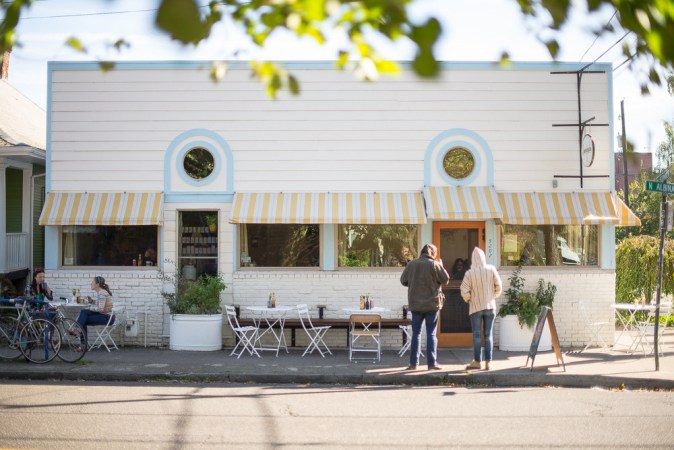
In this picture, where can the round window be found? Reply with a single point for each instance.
(458, 162)
(198, 163)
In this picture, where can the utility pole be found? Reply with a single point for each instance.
(626, 187)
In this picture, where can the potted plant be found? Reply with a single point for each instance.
(212, 222)
(520, 312)
(196, 314)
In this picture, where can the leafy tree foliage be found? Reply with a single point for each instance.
(637, 268)
(665, 151)
(363, 22)
(646, 205)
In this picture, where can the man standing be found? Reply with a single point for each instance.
(424, 278)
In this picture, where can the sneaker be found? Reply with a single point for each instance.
(411, 367)
(435, 367)
(486, 365)
(474, 365)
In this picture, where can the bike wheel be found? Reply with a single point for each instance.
(73, 347)
(40, 341)
(9, 338)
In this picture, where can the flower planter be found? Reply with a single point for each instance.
(513, 338)
(196, 332)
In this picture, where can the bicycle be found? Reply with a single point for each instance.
(10, 328)
(73, 348)
(39, 339)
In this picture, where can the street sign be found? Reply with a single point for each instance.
(664, 175)
(657, 186)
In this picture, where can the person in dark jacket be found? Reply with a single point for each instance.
(424, 278)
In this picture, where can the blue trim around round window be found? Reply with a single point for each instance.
(455, 181)
(181, 157)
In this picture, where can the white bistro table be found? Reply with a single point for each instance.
(629, 325)
(265, 320)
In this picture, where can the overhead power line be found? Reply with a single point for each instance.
(597, 36)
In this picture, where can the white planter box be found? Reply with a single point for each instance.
(513, 338)
(196, 332)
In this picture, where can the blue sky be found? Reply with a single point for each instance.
(477, 30)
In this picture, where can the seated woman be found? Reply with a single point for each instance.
(38, 286)
(459, 269)
(101, 306)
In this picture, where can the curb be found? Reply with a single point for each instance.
(506, 380)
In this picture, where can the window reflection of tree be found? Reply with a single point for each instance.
(198, 163)
(362, 245)
(543, 245)
(283, 245)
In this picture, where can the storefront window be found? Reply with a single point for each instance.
(109, 245)
(376, 245)
(198, 249)
(549, 245)
(279, 245)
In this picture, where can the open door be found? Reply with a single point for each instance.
(456, 240)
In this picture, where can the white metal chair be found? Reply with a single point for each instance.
(596, 327)
(365, 327)
(315, 333)
(103, 333)
(646, 328)
(407, 329)
(245, 336)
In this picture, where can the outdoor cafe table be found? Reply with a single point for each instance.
(265, 320)
(629, 324)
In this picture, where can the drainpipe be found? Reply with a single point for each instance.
(30, 228)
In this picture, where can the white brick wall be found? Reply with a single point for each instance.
(139, 292)
(136, 291)
(594, 287)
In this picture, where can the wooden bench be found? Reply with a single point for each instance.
(294, 324)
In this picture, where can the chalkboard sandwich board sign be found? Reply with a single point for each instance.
(546, 314)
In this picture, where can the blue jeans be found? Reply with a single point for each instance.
(485, 317)
(431, 319)
(87, 317)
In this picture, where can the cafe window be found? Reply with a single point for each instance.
(549, 245)
(93, 245)
(279, 245)
(376, 245)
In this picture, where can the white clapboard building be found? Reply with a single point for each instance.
(323, 197)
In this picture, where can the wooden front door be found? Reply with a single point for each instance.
(456, 240)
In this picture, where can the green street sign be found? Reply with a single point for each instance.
(657, 186)
(662, 178)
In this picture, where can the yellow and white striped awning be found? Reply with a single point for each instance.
(102, 208)
(328, 207)
(626, 218)
(558, 208)
(462, 203)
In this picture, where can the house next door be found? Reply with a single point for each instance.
(456, 240)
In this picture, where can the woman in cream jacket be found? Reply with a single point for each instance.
(479, 288)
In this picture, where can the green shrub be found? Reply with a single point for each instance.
(526, 305)
(200, 296)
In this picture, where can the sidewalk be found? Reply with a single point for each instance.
(594, 367)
